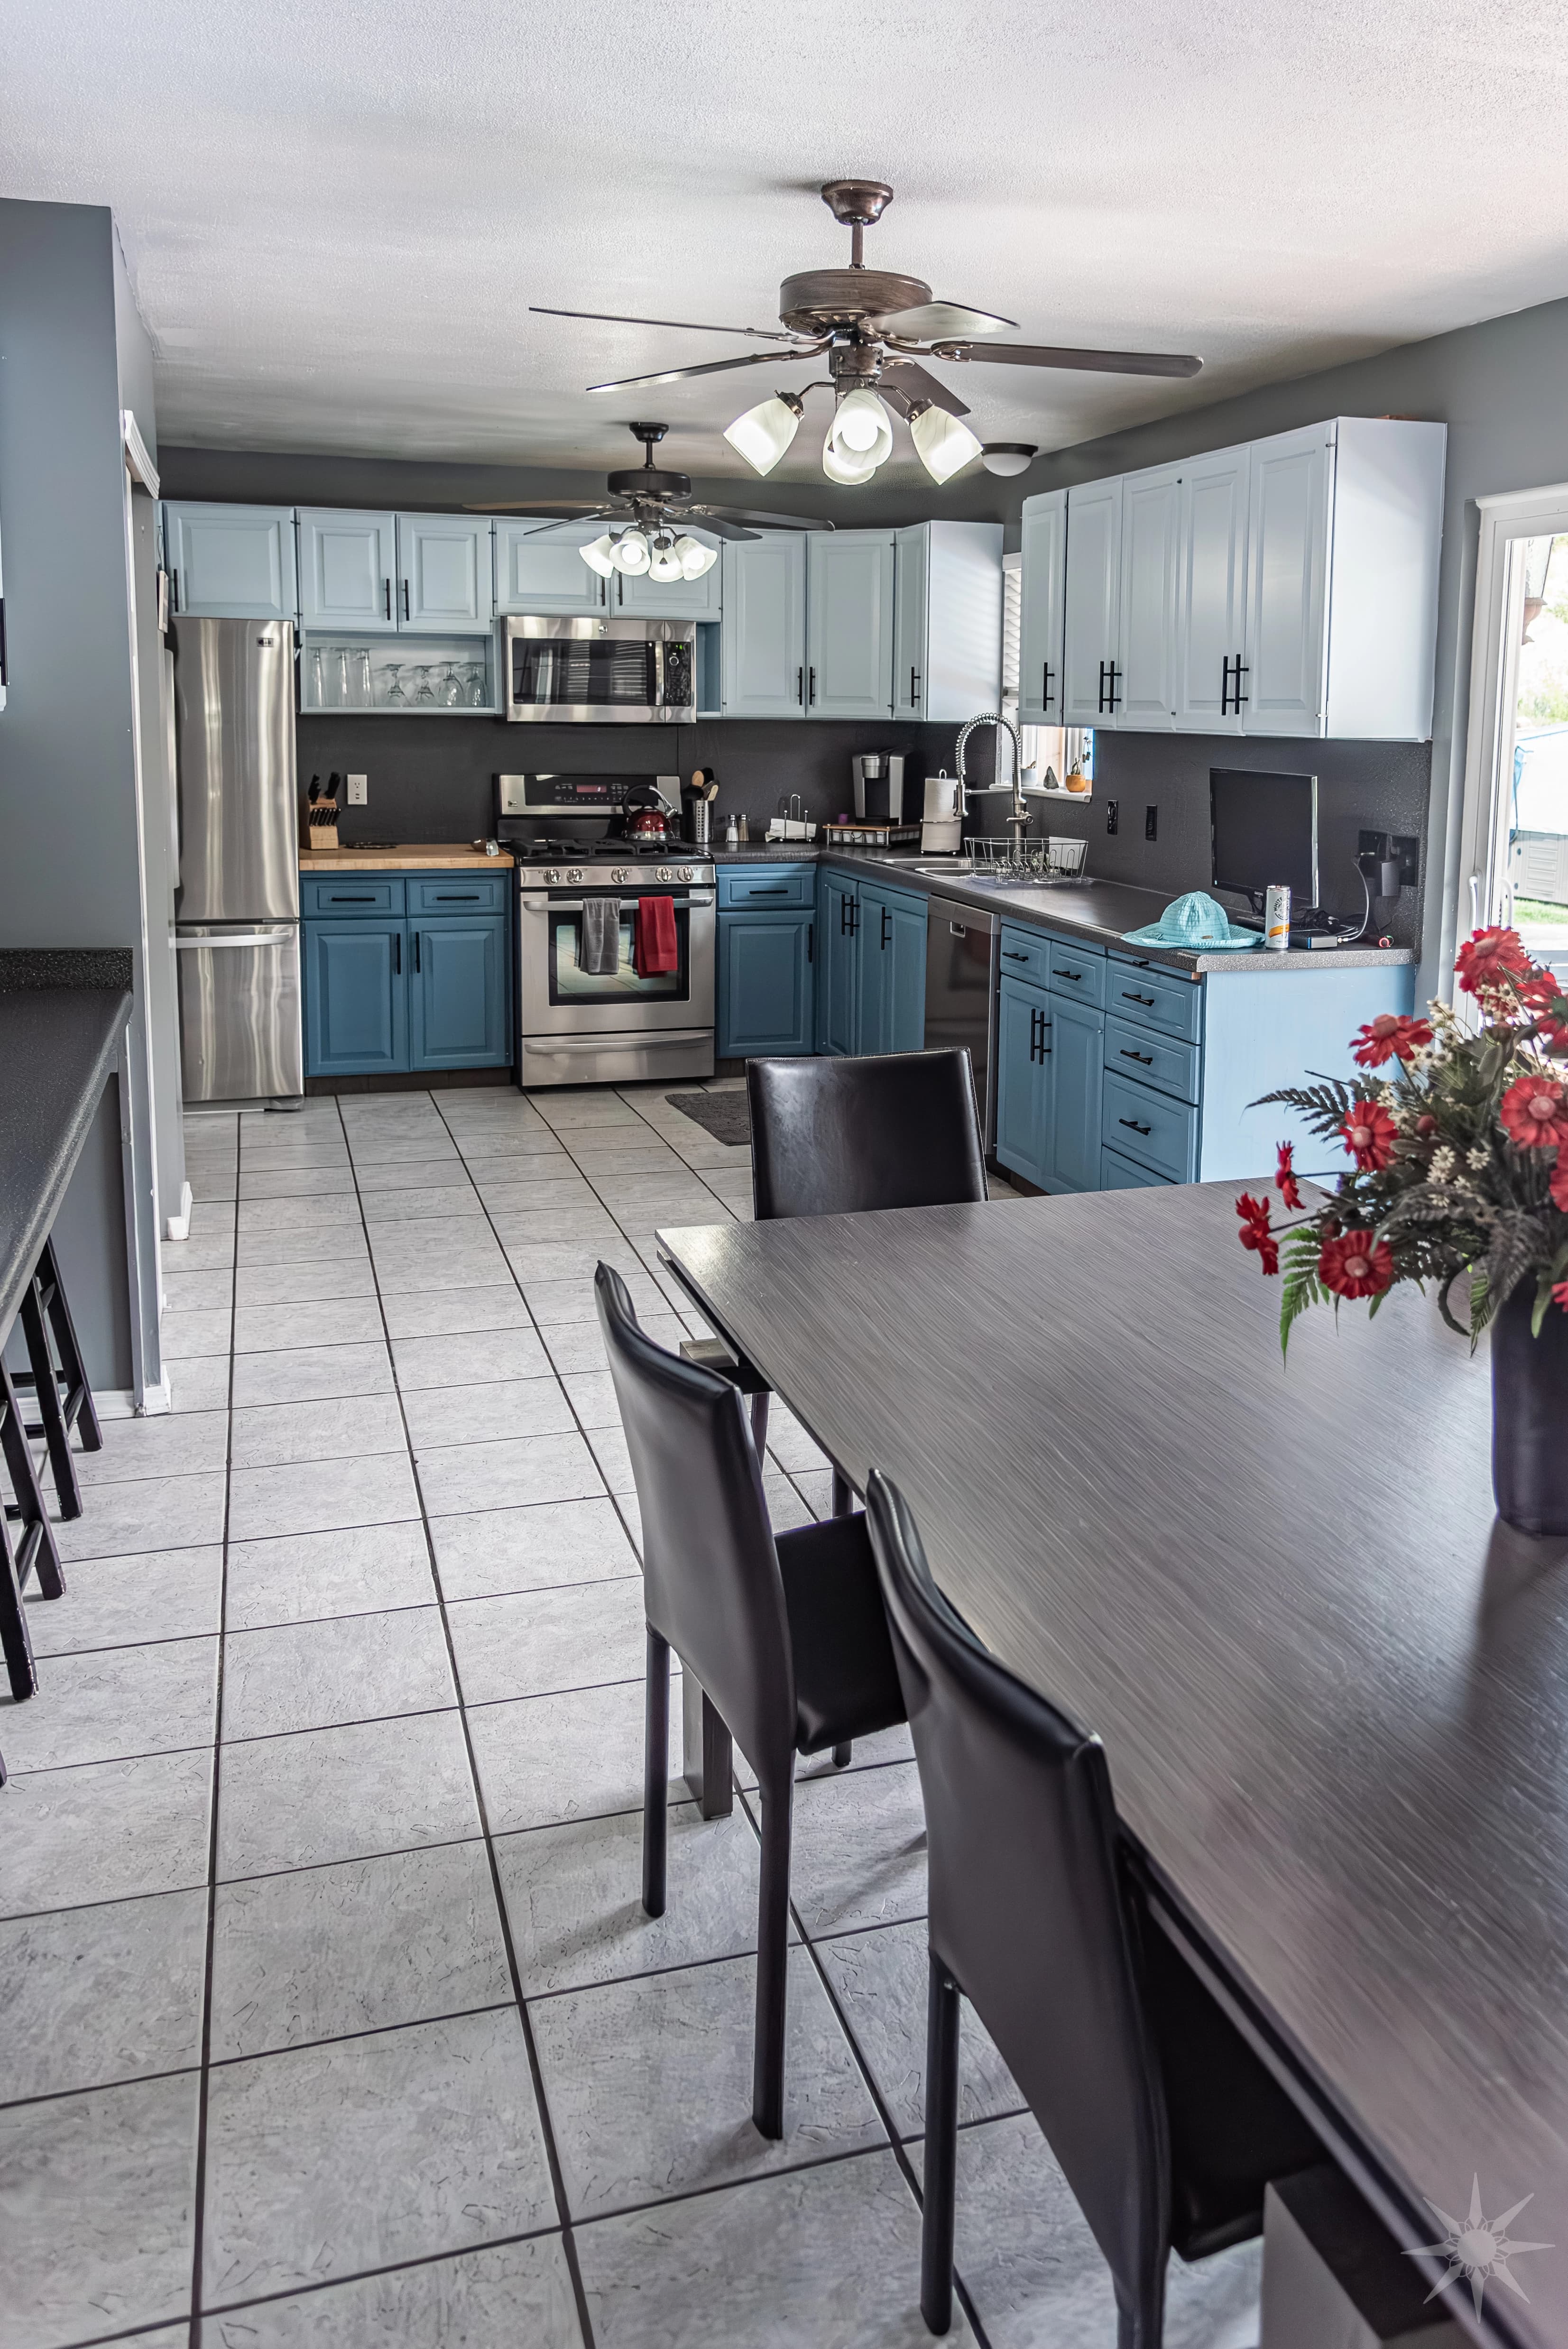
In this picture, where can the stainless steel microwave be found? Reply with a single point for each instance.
(601, 672)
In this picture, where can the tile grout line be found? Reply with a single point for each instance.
(552, 2154)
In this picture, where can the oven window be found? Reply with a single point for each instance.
(570, 983)
(603, 673)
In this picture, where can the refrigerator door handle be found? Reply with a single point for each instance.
(234, 938)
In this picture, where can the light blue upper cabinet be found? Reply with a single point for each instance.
(1289, 495)
(348, 570)
(539, 569)
(849, 624)
(682, 599)
(1091, 656)
(1211, 595)
(763, 640)
(231, 563)
(1151, 519)
(1044, 605)
(445, 573)
(947, 621)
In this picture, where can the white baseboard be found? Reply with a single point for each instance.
(178, 1227)
(120, 1402)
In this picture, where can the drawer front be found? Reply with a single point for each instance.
(1149, 1127)
(1154, 998)
(1151, 1060)
(1025, 954)
(345, 896)
(1119, 1174)
(767, 887)
(458, 892)
(1077, 972)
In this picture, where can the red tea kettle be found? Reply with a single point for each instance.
(644, 815)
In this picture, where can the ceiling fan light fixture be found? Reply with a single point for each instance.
(631, 553)
(597, 555)
(1008, 458)
(943, 444)
(696, 559)
(664, 564)
(764, 433)
(843, 465)
(861, 426)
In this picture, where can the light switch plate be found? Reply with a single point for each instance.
(359, 790)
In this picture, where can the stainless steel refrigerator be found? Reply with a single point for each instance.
(236, 905)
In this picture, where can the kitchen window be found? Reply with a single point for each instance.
(1047, 750)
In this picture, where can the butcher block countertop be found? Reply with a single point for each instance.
(408, 856)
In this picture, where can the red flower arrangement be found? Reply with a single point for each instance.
(1459, 1155)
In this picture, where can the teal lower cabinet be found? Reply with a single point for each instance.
(837, 962)
(385, 992)
(891, 939)
(458, 994)
(1119, 1174)
(765, 972)
(1072, 1154)
(356, 998)
(1022, 1078)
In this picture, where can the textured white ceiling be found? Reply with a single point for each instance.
(336, 214)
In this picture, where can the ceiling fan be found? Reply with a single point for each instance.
(875, 327)
(653, 506)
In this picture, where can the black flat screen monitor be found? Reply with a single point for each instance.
(1264, 829)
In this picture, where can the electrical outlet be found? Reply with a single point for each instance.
(359, 790)
(1151, 823)
(1371, 844)
(1406, 849)
(1113, 809)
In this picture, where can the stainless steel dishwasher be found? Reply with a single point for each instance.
(961, 991)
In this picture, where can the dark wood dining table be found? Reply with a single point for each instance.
(1332, 1687)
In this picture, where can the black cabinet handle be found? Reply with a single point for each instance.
(1039, 1028)
(811, 678)
(1144, 1060)
(345, 897)
(386, 598)
(175, 590)
(800, 687)
(1075, 976)
(843, 917)
(886, 918)
(1128, 997)
(811, 942)
(781, 891)
(1133, 1122)
(406, 611)
(457, 896)
(416, 949)
(1229, 685)
(398, 952)
(854, 905)
(1045, 688)
(914, 685)
(1011, 954)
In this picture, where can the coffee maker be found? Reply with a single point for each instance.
(886, 786)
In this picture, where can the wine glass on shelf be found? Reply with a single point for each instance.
(450, 687)
(342, 676)
(477, 695)
(364, 686)
(316, 697)
(424, 691)
(394, 696)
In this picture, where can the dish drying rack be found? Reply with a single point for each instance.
(1054, 858)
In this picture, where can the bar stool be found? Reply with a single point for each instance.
(58, 1379)
(787, 1635)
(1166, 2125)
(56, 1385)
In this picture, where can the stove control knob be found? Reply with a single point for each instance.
(550, 873)
(684, 874)
(620, 874)
(661, 872)
(575, 874)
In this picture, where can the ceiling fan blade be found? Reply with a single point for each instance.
(684, 326)
(717, 525)
(928, 319)
(712, 367)
(1050, 355)
(759, 521)
(566, 507)
(905, 382)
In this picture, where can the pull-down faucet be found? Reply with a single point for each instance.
(1018, 815)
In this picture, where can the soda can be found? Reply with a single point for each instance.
(1277, 918)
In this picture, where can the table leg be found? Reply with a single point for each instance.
(842, 1495)
(707, 1753)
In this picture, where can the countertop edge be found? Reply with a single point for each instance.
(29, 1222)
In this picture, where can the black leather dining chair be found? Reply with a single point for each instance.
(1165, 2124)
(787, 1635)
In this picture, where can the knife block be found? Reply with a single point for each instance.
(320, 825)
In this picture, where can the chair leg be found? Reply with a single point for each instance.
(80, 1411)
(35, 1544)
(51, 1416)
(760, 1422)
(773, 1958)
(942, 2010)
(707, 1750)
(843, 1754)
(842, 1497)
(656, 1775)
(15, 1640)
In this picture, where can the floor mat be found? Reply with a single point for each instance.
(726, 1116)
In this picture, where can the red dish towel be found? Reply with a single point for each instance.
(657, 948)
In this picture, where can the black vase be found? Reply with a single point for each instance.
(1530, 1415)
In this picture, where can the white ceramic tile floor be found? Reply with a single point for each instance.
(401, 1896)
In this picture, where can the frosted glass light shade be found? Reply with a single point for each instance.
(763, 434)
(860, 423)
(943, 443)
(631, 553)
(596, 555)
(695, 558)
(664, 565)
(840, 465)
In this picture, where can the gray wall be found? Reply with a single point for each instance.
(1499, 387)
(70, 875)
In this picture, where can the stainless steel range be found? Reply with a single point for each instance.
(591, 1012)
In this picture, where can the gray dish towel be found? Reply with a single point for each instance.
(601, 937)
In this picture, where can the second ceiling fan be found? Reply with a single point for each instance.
(875, 327)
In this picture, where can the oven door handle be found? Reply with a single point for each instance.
(628, 905)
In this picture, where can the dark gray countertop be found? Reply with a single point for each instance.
(57, 1043)
(1101, 911)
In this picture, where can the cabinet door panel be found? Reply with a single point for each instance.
(1092, 618)
(1072, 1149)
(347, 569)
(231, 563)
(764, 983)
(849, 624)
(1151, 512)
(1291, 480)
(641, 597)
(356, 998)
(837, 965)
(458, 995)
(1211, 595)
(538, 568)
(1022, 1067)
(763, 640)
(911, 565)
(874, 1023)
(445, 572)
(1040, 620)
(905, 934)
